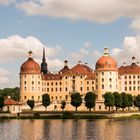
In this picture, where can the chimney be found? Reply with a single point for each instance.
(30, 53)
(65, 63)
(124, 64)
(79, 62)
(133, 60)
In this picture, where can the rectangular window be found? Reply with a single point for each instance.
(38, 88)
(47, 89)
(134, 77)
(38, 97)
(125, 88)
(32, 88)
(102, 79)
(134, 88)
(96, 87)
(102, 86)
(32, 97)
(25, 88)
(66, 97)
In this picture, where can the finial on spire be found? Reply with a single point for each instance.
(106, 51)
(30, 54)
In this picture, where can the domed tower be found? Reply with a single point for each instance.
(106, 75)
(44, 69)
(30, 80)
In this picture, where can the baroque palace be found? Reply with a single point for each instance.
(35, 80)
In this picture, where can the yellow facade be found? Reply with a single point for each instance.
(82, 79)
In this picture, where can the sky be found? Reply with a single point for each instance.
(69, 29)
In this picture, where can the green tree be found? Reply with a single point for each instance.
(118, 100)
(1, 102)
(124, 100)
(137, 101)
(90, 100)
(31, 104)
(12, 92)
(63, 104)
(109, 99)
(76, 100)
(130, 100)
(46, 100)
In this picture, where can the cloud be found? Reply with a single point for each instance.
(135, 25)
(87, 45)
(4, 76)
(131, 47)
(16, 47)
(82, 53)
(6, 2)
(53, 64)
(101, 11)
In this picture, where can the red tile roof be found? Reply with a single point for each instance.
(106, 63)
(50, 76)
(90, 76)
(10, 101)
(79, 69)
(65, 69)
(132, 69)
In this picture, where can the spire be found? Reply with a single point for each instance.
(44, 68)
(43, 59)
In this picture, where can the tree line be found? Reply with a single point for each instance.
(76, 101)
(115, 99)
(121, 100)
(12, 92)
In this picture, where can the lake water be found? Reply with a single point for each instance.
(69, 130)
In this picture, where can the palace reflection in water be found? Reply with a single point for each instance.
(69, 130)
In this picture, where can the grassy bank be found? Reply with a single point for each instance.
(67, 115)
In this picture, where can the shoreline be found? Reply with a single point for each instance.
(71, 115)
